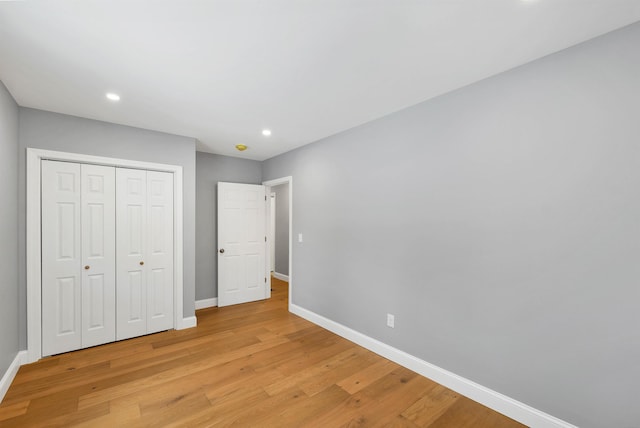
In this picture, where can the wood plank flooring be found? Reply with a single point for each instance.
(251, 365)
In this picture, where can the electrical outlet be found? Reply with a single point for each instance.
(391, 320)
(299, 237)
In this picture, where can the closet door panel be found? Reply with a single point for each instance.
(160, 251)
(98, 255)
(131, 241)
(61, 257)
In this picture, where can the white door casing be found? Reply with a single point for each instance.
(98, 254)
(242, 246)
(61, 242)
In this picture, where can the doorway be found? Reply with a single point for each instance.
(282, 232)
(272, 233)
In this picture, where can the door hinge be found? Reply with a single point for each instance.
(265, 279)
(265, 239)
(265, 197)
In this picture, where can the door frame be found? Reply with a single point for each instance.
(34, 235)
(276, 182)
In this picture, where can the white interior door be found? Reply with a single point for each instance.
(131, 238)
(159, 254)
(98, 187)
(62, 257)
(242, 246)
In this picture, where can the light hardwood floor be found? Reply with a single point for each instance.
(251, 365)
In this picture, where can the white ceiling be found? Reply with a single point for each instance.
(222, 70)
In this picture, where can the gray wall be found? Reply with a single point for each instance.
(210, 169)
(499, 223)
(52, 131)
(282, 228)
(9, 341)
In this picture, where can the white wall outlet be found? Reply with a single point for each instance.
(391, 320)
(299, 237)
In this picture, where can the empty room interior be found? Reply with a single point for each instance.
(320, 213)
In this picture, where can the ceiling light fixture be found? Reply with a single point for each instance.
(266, 132)
(113, 97)
(241, 147)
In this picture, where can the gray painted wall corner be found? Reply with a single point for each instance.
(9, 331)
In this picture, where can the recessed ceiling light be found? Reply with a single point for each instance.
(113, 97)
(266, 132)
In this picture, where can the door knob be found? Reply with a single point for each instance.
(221, 250)
(141, 263)
(87, 267)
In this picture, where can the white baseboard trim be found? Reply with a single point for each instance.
(494, 400)
(280, 276)
(7, 378)
(206, 303)
(188, 322)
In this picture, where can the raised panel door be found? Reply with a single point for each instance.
(159, 253)
(241, 243)
(61, 257)
(98, 255)
(131, 240)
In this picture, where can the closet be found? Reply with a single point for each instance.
(107, 254)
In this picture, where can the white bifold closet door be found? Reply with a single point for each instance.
(78, 263)
(144, 231)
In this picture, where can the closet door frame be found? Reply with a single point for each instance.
(34, 235)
